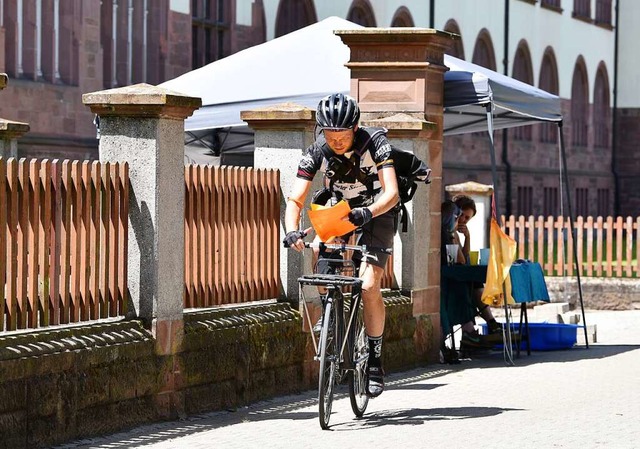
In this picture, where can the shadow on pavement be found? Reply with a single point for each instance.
(417, 416)
(577, 353)
(287, 407)
(416, 387)
(304, 405)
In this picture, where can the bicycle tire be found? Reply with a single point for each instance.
(359, 344)
(328, 365)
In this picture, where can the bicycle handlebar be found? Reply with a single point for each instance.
(344, 247)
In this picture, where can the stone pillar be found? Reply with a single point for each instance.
(397, 76)
(479, 225)
(282, 133)
(10, 132)
(144, 126)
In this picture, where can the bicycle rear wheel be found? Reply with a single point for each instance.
(358, 376)
(328, 364)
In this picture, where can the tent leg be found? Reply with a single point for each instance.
(576, 265)
(508, 349)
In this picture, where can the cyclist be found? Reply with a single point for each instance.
(358, 168)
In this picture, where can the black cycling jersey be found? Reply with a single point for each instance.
(370, 152)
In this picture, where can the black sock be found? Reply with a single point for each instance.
(375, 351)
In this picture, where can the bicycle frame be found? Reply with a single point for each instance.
(337, 330)
(333, 283)
(339, 334)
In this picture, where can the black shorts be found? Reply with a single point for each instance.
(378, 233)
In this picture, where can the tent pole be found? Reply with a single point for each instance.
(505, 133)
(432, 13)
(564, 170)
(494, 173)
(508, 348)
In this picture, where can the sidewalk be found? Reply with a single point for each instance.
(576, 398)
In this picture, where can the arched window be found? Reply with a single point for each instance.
(402, 18)
(549, 83)
(551, 3)
(582, 8)
(458, 49)
(246, 36)
(603, 12)
(579, 105)
(210, 35)
(522, 71)
(483, 54)
(293, 15)
(601, 109)
(361, 13)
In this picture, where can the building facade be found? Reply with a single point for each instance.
(53, 51)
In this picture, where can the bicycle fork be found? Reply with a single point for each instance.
(353, 333)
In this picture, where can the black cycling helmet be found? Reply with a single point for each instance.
(337, 111)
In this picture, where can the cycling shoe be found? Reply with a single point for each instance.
(375, 381)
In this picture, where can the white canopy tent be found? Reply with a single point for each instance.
(305, 65)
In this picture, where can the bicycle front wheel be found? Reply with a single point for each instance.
(328, 364)
(358, 376)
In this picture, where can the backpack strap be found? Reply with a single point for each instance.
(406, 188)
(404, 221)
(364, 138)
(347, 165)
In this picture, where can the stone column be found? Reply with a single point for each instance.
(144, 126)
(10, 132)
(397, 76)
(282, 133)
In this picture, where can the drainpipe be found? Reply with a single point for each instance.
(614, 124)
(432, 13)
(505, 144)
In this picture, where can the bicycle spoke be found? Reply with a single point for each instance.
(328, 365)
(342, 348)
(358, 376)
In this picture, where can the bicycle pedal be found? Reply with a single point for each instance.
(317, 328)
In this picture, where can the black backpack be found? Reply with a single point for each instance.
(410, 171)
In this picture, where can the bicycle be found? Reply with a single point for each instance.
(342, 348)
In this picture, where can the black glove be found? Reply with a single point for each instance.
(292, 237)
(360, 215)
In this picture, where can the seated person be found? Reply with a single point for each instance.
(451, 221)
(468, 210)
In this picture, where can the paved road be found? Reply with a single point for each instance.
(576, 398)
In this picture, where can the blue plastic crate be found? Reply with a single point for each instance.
(547, 336)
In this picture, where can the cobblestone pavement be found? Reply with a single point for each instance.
(577, 398)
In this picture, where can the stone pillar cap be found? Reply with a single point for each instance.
(400, 121)
(3, 80)
(11, 129)
(141, 100)
(282, 114)
(470, 187)
(396, 34)
(392, 48)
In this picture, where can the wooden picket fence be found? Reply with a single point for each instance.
(232, 243)
(606, 247)
(63, 245)
(388, 279)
